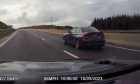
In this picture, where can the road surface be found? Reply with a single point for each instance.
(25, 45)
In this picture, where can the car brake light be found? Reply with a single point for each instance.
(85, 37)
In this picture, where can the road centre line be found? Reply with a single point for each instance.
(70, 54)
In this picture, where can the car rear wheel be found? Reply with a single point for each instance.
(77, 45)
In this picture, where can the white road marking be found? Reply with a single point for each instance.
(124, 48)
(43, 39)
(70, 54)
(8, 39)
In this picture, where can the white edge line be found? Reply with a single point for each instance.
(8, 39)
(124, 48)
(70, 54)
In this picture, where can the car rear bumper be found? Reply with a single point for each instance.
(92, 44)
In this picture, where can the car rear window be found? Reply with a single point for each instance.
(89, 29)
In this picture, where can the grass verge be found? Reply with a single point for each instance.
(5, 32)
(123, 38)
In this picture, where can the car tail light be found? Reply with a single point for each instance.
(85, 37)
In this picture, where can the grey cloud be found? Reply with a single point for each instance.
(3, 11)
(23, 18)
(104, 8)
(64, 12)
(61, 10)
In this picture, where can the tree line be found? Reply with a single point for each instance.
(119, 22)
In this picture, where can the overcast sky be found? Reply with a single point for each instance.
(63, 12)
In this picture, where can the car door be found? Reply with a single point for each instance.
(71, 36)
(74, 36)
(77, 35)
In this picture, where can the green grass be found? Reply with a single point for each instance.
(5, 32)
